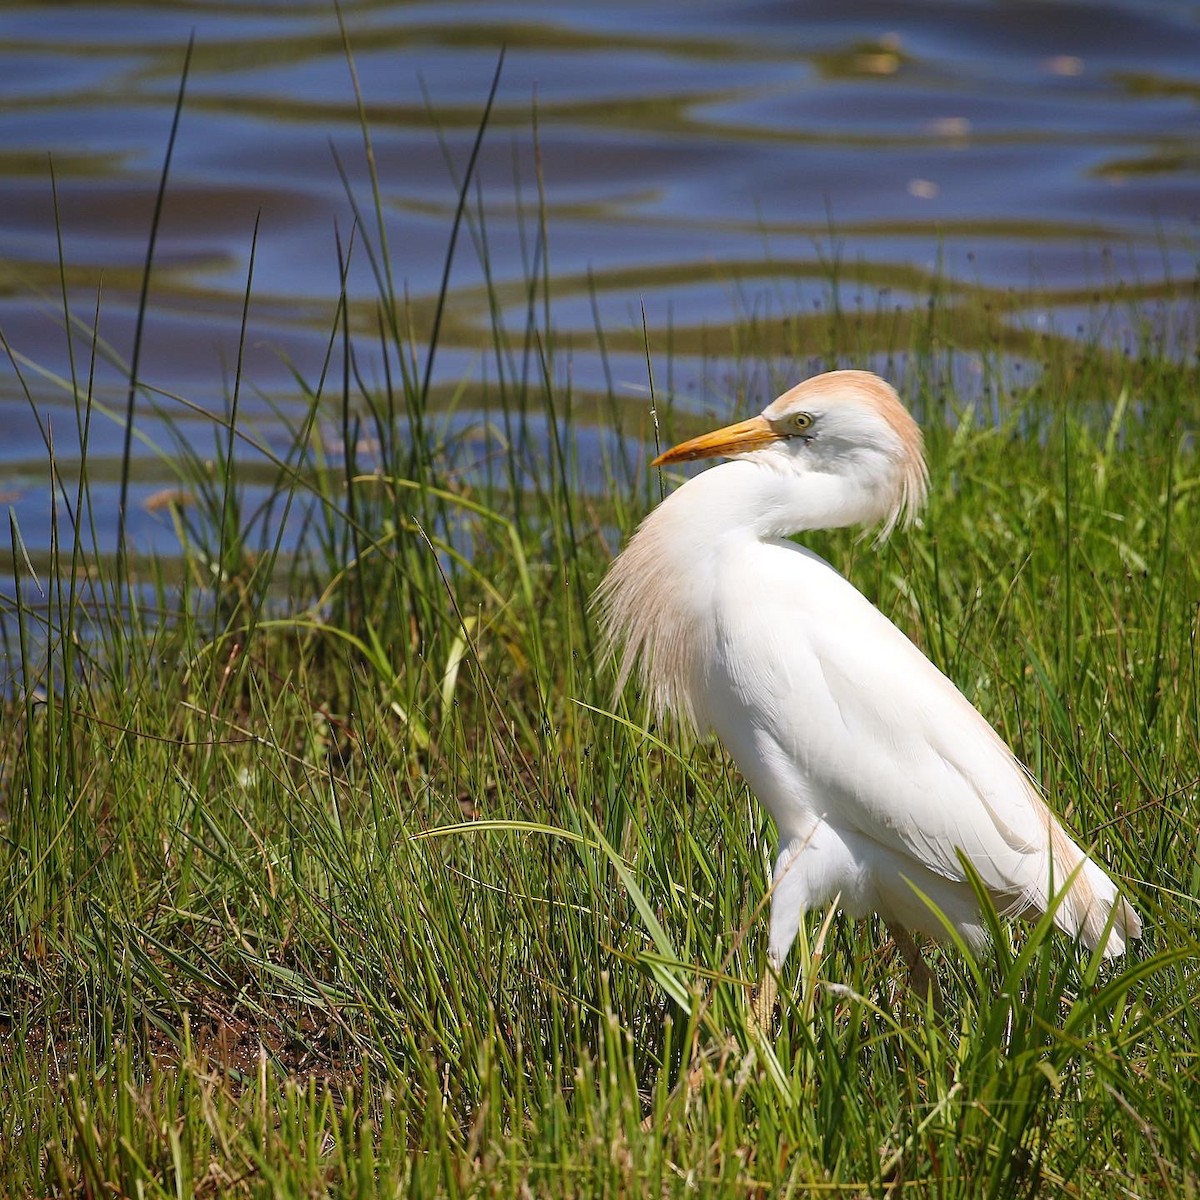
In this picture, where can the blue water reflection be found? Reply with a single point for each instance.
(726, 166)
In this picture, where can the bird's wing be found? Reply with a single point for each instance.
(880, 740)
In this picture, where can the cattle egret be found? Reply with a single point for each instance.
(880, 776)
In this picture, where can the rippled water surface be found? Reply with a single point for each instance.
(722, 172)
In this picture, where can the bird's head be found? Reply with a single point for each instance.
(847, 433)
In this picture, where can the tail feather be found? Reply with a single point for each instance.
(1109, 921)
(1091, 909)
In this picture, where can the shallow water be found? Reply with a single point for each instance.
(717, 166)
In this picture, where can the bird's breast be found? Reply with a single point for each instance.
(765, 675)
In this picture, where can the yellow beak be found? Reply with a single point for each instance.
(733, 439)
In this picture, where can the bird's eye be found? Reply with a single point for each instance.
(800, 421)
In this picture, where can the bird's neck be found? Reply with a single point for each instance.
(657, 600)
(753, 499)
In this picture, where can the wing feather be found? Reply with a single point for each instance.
(884, 744)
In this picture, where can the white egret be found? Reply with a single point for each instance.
(879, 774)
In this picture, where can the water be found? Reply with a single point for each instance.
(714, 164)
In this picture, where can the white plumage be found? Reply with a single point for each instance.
(877, 771)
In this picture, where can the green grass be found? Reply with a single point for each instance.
(338, 872)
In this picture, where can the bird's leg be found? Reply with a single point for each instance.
(922, 982)
(787, 911)
(764, 1002)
